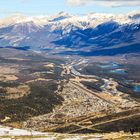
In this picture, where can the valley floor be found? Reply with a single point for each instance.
(77, 97)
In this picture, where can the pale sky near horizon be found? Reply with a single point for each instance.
(44, 7)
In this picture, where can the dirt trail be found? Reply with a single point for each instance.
(105, 122)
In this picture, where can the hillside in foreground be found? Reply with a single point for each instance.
(7, 133)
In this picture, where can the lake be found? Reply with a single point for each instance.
(118, 71)
(137, 88)
(109, 65)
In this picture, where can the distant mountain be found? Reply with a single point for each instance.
(92, 34)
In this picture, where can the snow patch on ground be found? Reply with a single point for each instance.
(9, 131)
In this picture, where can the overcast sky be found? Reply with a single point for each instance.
(43, 7)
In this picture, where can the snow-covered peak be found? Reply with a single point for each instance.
(18, 18)
(64, 14)
(11, 20)
(60, 16)
(63, 19)
(134, 16)
(133, 13)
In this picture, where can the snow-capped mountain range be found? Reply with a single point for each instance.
(65, 33)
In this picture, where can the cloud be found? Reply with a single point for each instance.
(123, 3)
(107, 3)
(78, 2)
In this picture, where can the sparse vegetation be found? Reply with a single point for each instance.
(41, 100)
(60, 101)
